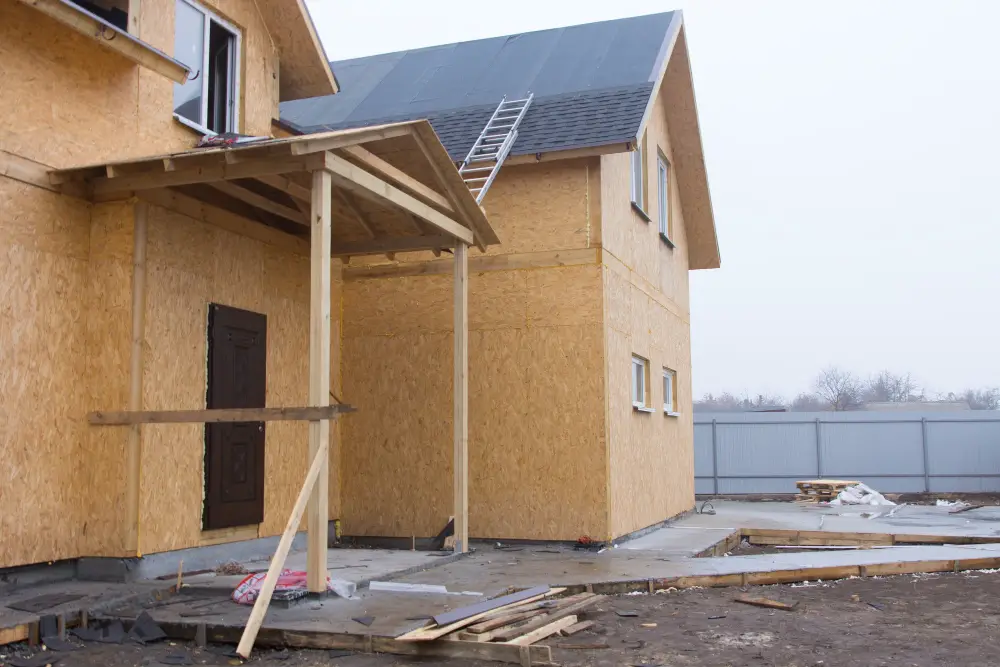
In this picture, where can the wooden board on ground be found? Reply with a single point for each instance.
(585, 600)
(819, 490)
(544, 631)
(431, 632)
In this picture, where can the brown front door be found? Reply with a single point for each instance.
(234, 453)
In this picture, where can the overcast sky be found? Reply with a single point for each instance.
(852, 156)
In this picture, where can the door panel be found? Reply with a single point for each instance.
(234, 453)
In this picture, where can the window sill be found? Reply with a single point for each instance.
(638, 209)
(190, 124)
(642, 408)
(666, 239)
(111, 37)
(671, 414)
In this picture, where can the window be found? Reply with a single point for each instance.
(637, 175)
(663, 181)
(669, 392)
(210, 47)
(640, 384)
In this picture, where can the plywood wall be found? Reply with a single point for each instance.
(646, 313)
(68, 101)
(537, 457)
(44, 244)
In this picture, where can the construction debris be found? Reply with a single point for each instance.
(860, 494)
(764, 602)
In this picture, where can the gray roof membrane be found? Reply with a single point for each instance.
(591, 85)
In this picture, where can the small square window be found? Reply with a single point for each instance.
(669, 392)
(640, 384)
(663, 181)
(209, 100)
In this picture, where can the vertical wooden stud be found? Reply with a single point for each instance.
(133, 449)
(319, 376)
(461, 391)
(134, 7)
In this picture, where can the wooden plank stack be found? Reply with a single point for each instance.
(516, 620)
(821, 490)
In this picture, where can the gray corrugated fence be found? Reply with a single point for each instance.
(895, 452)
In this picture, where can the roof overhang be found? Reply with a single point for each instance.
(304, 70)
(675, 90)
(394, 189)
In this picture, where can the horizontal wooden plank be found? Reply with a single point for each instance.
(217, 416)
(398, 177)
(25, 170)
(478, 264)
(488, 605)
(545, 631)
(393, 244)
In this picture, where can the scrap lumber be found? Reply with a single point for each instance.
(764, 602)
(577, 627)
(555, 615)
(544, 631)
(502, 620)
(822, 490)
(430, 632)
(488, 605)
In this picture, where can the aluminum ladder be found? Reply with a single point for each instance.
(483, 162)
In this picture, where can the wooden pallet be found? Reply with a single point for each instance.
(821, 490)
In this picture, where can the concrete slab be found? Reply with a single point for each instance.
(909, 519)
(356, 565)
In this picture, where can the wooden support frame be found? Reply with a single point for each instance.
(133, 447)
(261, 202)
(319, 375)
(364, 184)
(392, 244)
(218, 416)
(119, 41)
(407, 182)
(460, 459)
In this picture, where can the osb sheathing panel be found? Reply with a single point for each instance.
(651, 455)
(190, 266)
(43, 300)
(633, 240)
(535, 344)
(68, 101)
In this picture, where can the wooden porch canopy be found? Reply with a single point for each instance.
(378, 190)
(395, 189)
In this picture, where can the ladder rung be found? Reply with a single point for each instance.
(473, 180)
(482, 159)
(469, 171)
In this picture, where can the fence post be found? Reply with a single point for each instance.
(923, 442)
(715, 462)
(819, 452)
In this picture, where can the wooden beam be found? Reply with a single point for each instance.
(481, 263)
(543, 632)
(392, 244)
(111, 37)
(399, 177)
(134, 24)
(25, 170)
(320, 144)
(226, 415)
(260, 201)
(319, 376)
(460, 388)
(570, 154)
(288, 186)
(237, 224)
(358, 214)
(354, 178)
(133, 448)
(319, 460)
(200, 173)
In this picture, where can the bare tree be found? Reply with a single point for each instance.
(888, 387)
(982, 399)
(839, 389)
(728, 402)
(808, 403)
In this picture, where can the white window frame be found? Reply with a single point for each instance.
(663, 187)
(637, 161)
(640, 367)
(669, 392)
(236, 69)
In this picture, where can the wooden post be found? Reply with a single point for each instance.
(461, 391)
(133, 449)
(319, 377)
(260, 605)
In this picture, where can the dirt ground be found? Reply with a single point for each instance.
(919, 620)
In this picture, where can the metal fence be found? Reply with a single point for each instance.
(895, 452)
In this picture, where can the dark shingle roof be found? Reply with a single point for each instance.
(591, 85)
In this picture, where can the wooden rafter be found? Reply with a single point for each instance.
(320, 144)
(364, 184)
(358, 214)
(260, 201)
(398, 177)
(286, 185)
